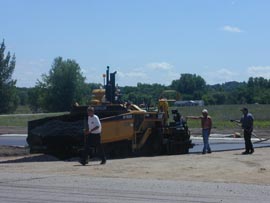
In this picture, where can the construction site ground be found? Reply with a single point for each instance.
(225, 166)
(240, 174)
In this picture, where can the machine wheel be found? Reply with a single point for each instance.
(177, 148)
(118, 149)
(153, 145)
(169, 147)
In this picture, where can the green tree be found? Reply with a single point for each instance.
(35, 98)
(22, 93)
(190, 86)
(259, 90)
(9, 100)
(62, 87)
(143, 93)
(208, 99)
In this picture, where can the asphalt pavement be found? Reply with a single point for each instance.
(218, 142)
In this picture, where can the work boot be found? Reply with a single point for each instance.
(103, 162)
(245, 152)
(83, 162)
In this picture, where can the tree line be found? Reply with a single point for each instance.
(65, 84)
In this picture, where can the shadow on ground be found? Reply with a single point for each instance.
(35, 158)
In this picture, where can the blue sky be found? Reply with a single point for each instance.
(147, 41)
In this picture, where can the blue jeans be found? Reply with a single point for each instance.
(205, 134)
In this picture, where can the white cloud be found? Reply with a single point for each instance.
(131, 78)
(157, 72)
(136, 73)
(220, 76)
(259, 71)
(159, 66)
(225, 73)
(229, 28)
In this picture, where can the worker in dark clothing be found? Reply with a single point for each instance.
(247, 125)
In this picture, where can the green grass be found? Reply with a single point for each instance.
(23, 110)
(22, 115)
(222, 114)
(21, 120)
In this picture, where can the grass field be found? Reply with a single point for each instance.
(22, 119)
(221, 115)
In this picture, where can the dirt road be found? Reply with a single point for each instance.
(229, 167)
(217, 177)
(32, 188)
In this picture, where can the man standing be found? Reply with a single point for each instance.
(206, 124)
(247, 125)
(93, 138)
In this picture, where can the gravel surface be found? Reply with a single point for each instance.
(217, 177)
(42, 188)
(228, 166)
(7, 151)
